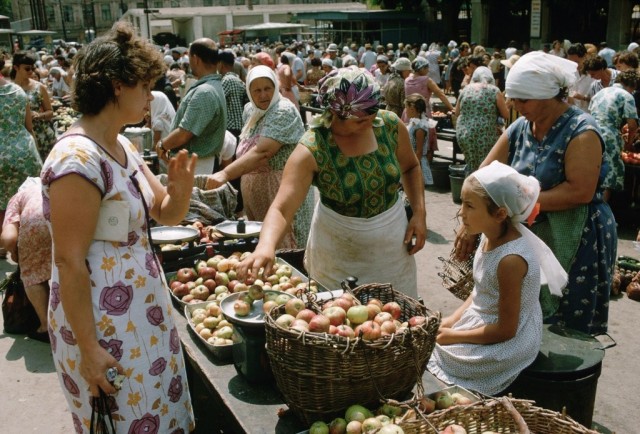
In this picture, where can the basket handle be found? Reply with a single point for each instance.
(522, 426)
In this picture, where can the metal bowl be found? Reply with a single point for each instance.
(229, 229)
(256, 315)
(173, 234)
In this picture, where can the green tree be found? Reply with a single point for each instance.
(5, 8)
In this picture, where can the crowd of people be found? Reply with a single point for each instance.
(540, 130)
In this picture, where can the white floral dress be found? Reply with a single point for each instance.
(130, 303)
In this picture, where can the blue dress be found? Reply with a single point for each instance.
(414, 125)
(584, 238)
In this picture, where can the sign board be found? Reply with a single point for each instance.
(536, 13)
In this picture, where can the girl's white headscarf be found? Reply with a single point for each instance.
(518, 194)
(259, 71)
(538, 75)
(482, 74)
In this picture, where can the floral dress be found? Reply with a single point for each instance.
(476, 127)
(611, 107)
(283, 124)
(42, 129)
(18, 154)
(416, 124)
(584, 239)
(133, 315)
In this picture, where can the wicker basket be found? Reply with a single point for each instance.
(499, 415)
(457, 276)
(320, 375)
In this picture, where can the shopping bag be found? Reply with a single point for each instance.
(18, 313)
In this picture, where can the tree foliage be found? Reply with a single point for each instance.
(5, 8)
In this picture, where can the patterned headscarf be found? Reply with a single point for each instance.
(349, 93)
(482, 74)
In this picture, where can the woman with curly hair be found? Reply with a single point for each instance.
(108, 305)
(356, 155)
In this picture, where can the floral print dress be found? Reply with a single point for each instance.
(42, 129)
(133, 315)
(19, 158)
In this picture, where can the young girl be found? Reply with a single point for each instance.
(496, 333)
(418, 125)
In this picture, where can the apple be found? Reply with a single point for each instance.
(210, 284)
(284, 271)
(185, 275)
(213, 261)
(388, 328)
(338, 426)
(384, 419)
(181, 290)
(319, 428)
(294, 306)
(295, 280)
(273, 279)
(390, 410)
(222, 278)
(191, 284)
(232, 285)
(319, 324)
(174, 284)
(224, 332)
(382, 317)
(305, 314)
(286, 285)
(357, 314)
(354, 427)
(205, 333)
(256, 292)
(336, 315)
(240, 287)
(370, 330)
(393, 308)
(198, 281)
(343, 303)
(460, 399)
(188, 298)
(268, 305)
(373, 309)
(444, 401)
(197, 319)
(207, 272)
(199, 327)
(427, 405)
(214, 309)
(199, 311)
(454, 429)
(357, 412)
(271, 295)
(391, 428)
(300, 325)
(220, 289)
(349, 297)
(285, 320)
(376, 302)
(283, 298)
(241, 308)
(233, 274)
(224, 265)
(244, 296)
(415, 321)
(200, 292)
(224, 323)
(292, 291)
(211, 322)
(370, 424)
(345, 331)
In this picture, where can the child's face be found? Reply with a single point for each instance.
(411, 111)
(474, 212)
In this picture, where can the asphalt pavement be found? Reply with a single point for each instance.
(32, 400)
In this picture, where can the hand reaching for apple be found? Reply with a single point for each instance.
(252, 264)
(216, 180)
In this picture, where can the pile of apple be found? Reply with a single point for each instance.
(210, 324)
(443, 399)
(216, 278)
(360, 420)
(242, 306)
(344, 316)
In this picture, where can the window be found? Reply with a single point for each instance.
(67, 13)
(207, 2)
(158, 4)
(105, 10)
(140, 5)
(51, 13)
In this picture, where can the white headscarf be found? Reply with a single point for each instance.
(538, 75)
(518, 194)
(482, 74)
(260, 71)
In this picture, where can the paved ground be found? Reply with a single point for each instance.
(32, 400)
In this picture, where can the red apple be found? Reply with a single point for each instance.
(295, 280)
(174, 284)
(415, 321)
(373, 309)
(211, 284)
(200, 292)
(300, 325)
(382, 317)
(345, 331)
(199, 265)
(207, 272)
(336, 315)
(181, 290)
(370, 330)
(294, 306)
(305, 314)
(393, 308)
(222, 278)
(388, 328)
(185, 275)
(376, 302)
(343, 302)
(427, 405)
(319, 324)
(268, 305)
(232, 285)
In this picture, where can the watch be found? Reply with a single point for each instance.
(159, 145)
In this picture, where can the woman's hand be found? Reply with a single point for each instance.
(216, 180)
(181, 172)
(94, 363)
(416, 230)
(251, 265)
(465, 244)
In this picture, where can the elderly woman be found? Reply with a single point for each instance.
(272, 128)
(420, 82)
(356, 155)
(109, 305)
(478, 107)
(562, 147)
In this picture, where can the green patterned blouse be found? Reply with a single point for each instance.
(362, 186)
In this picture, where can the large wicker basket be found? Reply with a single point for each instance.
(501, 415)
(320, 375)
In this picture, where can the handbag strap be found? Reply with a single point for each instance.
(101, 415)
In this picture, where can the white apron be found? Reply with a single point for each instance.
(370, 249)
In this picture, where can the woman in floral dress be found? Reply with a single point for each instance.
(478, 107)
(272, 128)
(19, 158)
(41, 110)
(109, 303)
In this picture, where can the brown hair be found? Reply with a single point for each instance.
(416, 101)
(119, 55)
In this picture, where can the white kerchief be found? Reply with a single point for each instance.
(260, 71)
(518, 194)
(538, 75)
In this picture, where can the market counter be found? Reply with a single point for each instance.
(224, 402)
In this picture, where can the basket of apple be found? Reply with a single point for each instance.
(362, 346)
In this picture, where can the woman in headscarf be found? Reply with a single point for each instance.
(272, 128)
(356, 155)
(562, 147)
(478, 107)
(420, 82)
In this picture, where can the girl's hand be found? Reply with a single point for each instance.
(181, 172)
(446, 336)
(465, 244)
(93, 367)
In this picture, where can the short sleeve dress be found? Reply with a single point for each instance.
(414, 125)
(19, 157)
(43, 129)
(133, 315)
(489, 369)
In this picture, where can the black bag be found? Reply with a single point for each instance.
(101, 420)
(17, 311)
